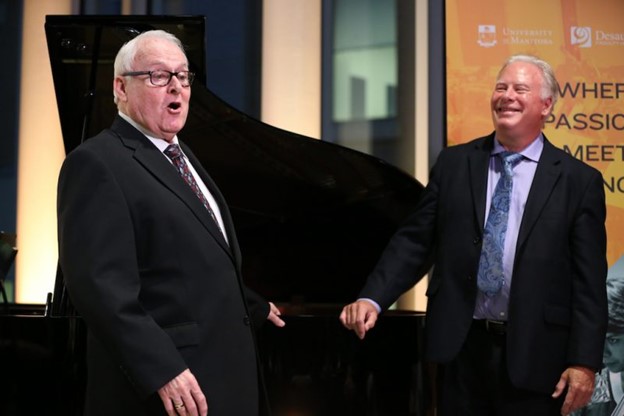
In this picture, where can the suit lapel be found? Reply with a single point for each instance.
(478, 161)
(546, 176)
(152, 159)
(228, 223)
(216, 193)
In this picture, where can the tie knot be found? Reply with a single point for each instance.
(173, 151)
(510, 159)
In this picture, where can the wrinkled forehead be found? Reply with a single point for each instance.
(154, 51)
(519, 70)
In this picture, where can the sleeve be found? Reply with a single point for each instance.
(588, 249)
(409, 254)
(98, 259)
(258, 308)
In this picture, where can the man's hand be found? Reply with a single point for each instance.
(274, 315)
(183, 396)
(359, 316)
(580, 383)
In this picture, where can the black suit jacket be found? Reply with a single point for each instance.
(557, 306)
(154, 279)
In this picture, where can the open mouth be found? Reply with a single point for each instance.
(507, 110)
(174, 106)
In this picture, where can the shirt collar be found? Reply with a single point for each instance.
(531, 152)
(161, 144)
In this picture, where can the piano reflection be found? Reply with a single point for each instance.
(312, 219)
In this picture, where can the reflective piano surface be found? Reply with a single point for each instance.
(42, 362)
(312, 219)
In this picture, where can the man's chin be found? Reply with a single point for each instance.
(504, 124)
(173, 127)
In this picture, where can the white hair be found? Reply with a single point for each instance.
(550, 88)
(127, 53)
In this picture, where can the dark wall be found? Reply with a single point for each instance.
(10, 45)
(233, 47)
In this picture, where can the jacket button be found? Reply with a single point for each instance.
(246, 320)
(470, 278)
(476, 240)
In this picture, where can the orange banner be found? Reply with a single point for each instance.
(583, 40)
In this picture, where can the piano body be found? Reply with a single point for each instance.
(312, 218)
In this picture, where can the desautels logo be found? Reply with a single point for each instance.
(487, 36)
(581, 36)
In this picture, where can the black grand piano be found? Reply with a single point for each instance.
(312, 218)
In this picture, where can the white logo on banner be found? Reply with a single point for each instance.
(487, 36)
(581, 36)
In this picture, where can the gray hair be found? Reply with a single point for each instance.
(127, 53)
(550, 88)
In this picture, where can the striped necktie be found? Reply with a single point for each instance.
(174, 153)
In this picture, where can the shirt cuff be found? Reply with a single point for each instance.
(375, 304)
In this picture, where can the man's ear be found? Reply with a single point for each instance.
(119, 86)
(548, 104)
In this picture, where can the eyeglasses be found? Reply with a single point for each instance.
(162, 78)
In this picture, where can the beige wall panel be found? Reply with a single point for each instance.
(40, 155)
(291, 65)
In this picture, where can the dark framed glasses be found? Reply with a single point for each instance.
(162, 78)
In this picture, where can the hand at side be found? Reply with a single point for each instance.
(274, 316)
(359, 316)
(580, 384)
(183, 396)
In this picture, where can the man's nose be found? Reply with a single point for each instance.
(508, 95)
(174, 86)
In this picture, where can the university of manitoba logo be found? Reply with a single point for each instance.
(487, 36)
(581, 36)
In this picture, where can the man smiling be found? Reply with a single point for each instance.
(514, 228)
(520, 104)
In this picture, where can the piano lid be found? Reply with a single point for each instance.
(312, 217)
(82, 51)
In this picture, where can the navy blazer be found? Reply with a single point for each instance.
(155, 281)
(557, 306)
